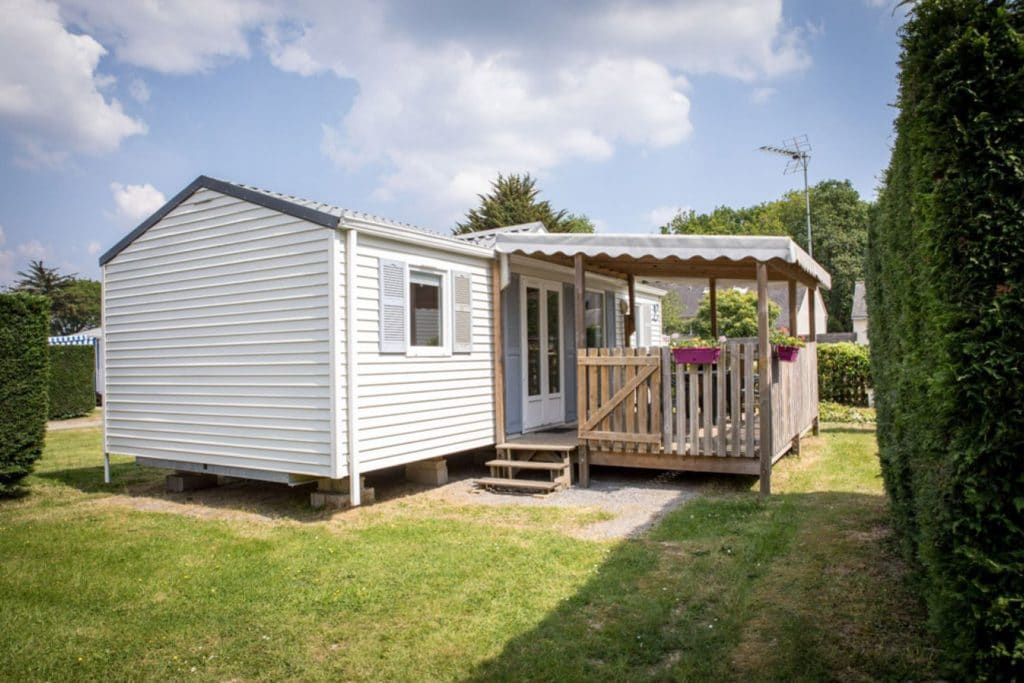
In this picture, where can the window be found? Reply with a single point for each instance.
(593, 305)
(425, 317)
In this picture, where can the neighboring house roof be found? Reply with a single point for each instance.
(319, 213)
(486, 238)
(860, 304)
(689, 296)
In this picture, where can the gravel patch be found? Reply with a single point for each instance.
(636, 498)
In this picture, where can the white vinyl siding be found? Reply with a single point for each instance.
(218, 340)
(418, 407)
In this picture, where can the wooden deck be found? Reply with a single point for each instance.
(638, 408)
(561, 440)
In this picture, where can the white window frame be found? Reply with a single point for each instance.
(447, 308)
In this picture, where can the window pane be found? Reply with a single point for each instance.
(554, 334)
(532, 341)
(424, 309)
(593, 304)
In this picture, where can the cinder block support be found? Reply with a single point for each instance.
(431, 472)
(190, 481)
(335, 493)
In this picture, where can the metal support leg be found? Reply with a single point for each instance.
(106, 468)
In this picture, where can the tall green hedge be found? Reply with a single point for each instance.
(72, 381)
(844, 373)
(946, 300)
(24, 370)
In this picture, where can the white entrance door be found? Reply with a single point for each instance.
(543, 377)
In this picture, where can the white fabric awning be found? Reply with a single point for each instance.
(674, 256)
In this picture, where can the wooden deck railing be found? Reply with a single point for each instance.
(639, 401)
(794, 398)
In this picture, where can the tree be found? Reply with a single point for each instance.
(577, 223)
(74, 302)
(839, 223)
(78, 307)
(42, 281)
(762, 219)
(839, 219)
(513, 201)
(672, 321)
(737, 314)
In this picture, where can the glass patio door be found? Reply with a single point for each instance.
(541, 306)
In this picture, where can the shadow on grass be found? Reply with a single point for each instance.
(733, 587)
(146, 485)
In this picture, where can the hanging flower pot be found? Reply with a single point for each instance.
(696, 351)
(786, 347)
(787, 354)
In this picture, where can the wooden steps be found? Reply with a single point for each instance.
(518, 484)
(534, 454)
(527, 464)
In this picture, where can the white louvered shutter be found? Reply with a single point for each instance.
(462, 304)
(392, 306)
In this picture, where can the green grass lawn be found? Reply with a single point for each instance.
(118, 583)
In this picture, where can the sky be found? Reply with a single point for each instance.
(624, 110)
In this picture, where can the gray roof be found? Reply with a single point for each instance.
(320, 213)
(860, 304)
(487, 238)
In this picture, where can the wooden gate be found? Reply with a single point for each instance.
(620, 406)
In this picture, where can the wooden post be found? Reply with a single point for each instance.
(764, 371)
(631, 318)
(582, 454)
(812, 327)
(581, 289)
(713, 300)
(793, 321)
(499, 354)
(812, 322)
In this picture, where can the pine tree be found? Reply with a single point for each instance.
(513, 201)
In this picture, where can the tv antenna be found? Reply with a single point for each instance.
(798, 151)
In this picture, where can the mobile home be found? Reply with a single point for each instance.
(258, 335)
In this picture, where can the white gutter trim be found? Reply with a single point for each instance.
(352, 370)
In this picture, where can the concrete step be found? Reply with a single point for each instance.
(529, 464)
(519, 484)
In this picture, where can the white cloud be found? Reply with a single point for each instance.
(135, 202)
(661, 215)
(762, 95)
(6, 261)
(139, 90)
(445, 105)
(451, 93)
(50, 93)
(93, 247)
(33, 250)
(171, 36)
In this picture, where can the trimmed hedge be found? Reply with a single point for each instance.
(72, 381)
(945, 286)
(24, 370)
(844, 373)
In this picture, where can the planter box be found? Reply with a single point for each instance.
(787, 354)
(699, 355)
